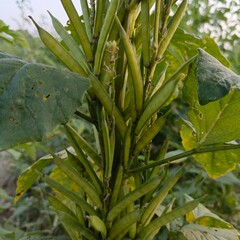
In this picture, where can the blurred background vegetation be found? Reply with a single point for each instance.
(31, 215)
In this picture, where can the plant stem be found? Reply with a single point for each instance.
(182, 155)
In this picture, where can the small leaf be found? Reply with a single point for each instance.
(214, 80)
(35, 99)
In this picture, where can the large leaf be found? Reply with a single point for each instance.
(214, 80)
(215, 163)
(197, 232)
(34, 99)
(212, 124)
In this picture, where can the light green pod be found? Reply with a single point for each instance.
(105, 30)
(131, 197)
(117, 186)
(157, 223)
(79, 28)
(127, 144)
(73, 47)
(154, 204)
(69, 194)
(122, 226)
(81, 181)
(98, 225)
(86, 18)
(72, 136)
(107, 147)
(134, 67)
(89, 150)
(58, 50)
(108, 104)
(172, 27)
(145, 28)
(149, 134)
(158, 100)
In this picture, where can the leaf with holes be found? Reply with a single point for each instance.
(35, 99)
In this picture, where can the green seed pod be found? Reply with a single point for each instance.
(122, 226)
(81, 181)
(157, 223)
(134, 67)
(158, 100)
(58, 50)
(154, 204)
(145, 28)
(73, 47)
(131, 197)
(98, 225)
(69, 194)
(108, 104)
(150, 133)
(79, 28)
(172, 27)
(105, 30)
(117, 186)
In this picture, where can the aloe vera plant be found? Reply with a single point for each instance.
(131, 62)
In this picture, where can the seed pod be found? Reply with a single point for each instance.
(145, 28)
(122, 226)
(108, 104)
(69, 194)
(73, 47)
(131, 197)
(73, 138)
(154, 204)
(158, 100)
(58, 50)
(157, 223)
(105, 30)
(79, 28)
(98, 225)
(85, 146)
(134, 67)
(127, 145)
(150, 133)
(82, 182)
(86, 17)
(117, 186)
(172, 27)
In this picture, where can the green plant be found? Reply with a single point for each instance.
(132, 64)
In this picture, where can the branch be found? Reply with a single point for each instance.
(182, 155)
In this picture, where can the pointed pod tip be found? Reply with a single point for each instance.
(34, 22)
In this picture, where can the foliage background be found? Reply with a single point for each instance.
(202, 18)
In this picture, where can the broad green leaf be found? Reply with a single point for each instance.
(217, 122)
(184, 46)
(35, 99)
(212, 124)
(29, 176)
(197, 232)
(215, 163)
(214, 80)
